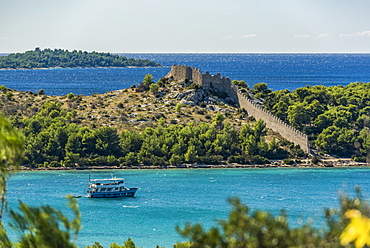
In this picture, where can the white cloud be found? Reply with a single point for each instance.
(227, 37)
(323, 35)
(301, 36)
(250, 35)
(359, 34)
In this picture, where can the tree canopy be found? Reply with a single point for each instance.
(54, 140)
(336, 119)
(48, 58)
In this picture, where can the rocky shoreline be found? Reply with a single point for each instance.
(325, 163)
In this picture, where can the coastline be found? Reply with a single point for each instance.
(79, 67)
(325, 163)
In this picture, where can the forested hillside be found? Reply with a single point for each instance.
(175, 123)
(335, 118)
(144, 125)
(48, 58)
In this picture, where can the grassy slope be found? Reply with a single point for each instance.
(123, 109)
(127, 109)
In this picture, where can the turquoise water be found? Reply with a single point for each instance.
(167, 198)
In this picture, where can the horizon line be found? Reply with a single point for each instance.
(206, 52)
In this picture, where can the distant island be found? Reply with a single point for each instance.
(49, 58)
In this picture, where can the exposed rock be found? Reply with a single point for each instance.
(194, 96)
(188, 102)
(197, 96)
(181, 95)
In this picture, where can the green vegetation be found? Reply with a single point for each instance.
(38, 227)
(79, 131)
(48, 58)
(46, 227)
(149, 125)
(54, 140)
(335, 118)
(262, 229)
(11, 154)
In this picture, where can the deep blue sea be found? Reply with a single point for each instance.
(279, 71)
(167, 198)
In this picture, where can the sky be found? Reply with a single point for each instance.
(186, 26)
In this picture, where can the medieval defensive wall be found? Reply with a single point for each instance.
(224, 84)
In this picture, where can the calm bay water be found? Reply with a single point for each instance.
(173, 197)
(279, 71)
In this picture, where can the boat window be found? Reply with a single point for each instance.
(116, 188)
(109, 189)
(102, 189)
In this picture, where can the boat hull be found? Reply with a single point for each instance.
(125, 193)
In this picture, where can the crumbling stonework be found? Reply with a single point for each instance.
(224, 84)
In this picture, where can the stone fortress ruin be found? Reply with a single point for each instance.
(224, 84)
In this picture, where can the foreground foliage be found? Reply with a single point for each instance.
(63, 58)
(37, 227)
(346, 226)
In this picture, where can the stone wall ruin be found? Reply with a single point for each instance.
(224, 84)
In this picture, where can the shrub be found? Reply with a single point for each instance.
(195, 86)
(258, 159)
(315, 159)
(178, 107)
(236, 159)
(359, 159)
(70, 96)
(9, 95)
(142, 87)
(112, 160)
(210, 159)
(176, 159)
(288, 161)
(251, 118)
(3, 88)
(129, 159)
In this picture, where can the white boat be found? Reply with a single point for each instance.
(109, 188)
